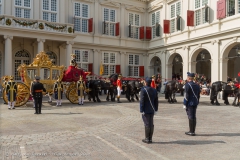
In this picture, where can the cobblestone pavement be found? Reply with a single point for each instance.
(110, 130)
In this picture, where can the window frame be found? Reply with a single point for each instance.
(134, 64)
(81, 63)
(202, 12)
(110, 22)
(81, 17)
(109, 64)
(228, 9)
(175, 17)
(1, 8)
(22, 7)
(49, 11)
(155, 25)
(134, 26)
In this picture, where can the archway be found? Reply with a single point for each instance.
(20, 57)
(233, 66)
(177, 66)
(52, 56)
(155, 65)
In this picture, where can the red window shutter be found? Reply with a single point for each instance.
(141, 32)
(141, 71)
(221, 9)
(90, 68)
(190, 18)
(148, 32)
(90, 25)
(166, 26)
(118, 69)
(117, 29)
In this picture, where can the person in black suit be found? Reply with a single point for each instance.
(148, 107)
(37, 89)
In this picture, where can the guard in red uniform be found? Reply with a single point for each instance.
(119, 87)
(153, 84)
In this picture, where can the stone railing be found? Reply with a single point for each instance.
(36, 24)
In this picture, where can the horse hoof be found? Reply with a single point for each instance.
(217, 104)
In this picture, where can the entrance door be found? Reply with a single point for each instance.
(20, 57)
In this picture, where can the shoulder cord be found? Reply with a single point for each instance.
(193, 91)
(149, 100)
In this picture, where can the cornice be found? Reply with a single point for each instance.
(134, 8)
(155, 7)
(110, 3)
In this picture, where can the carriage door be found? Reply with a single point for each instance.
(20, 57)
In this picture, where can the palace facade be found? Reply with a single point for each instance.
(132, 37)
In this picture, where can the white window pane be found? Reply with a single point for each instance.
(197, 4)
(178, 8)
(137, 20)
(203, 15)
(204, 2)
(45, 16)
(172, 10)
(132, 32)
(18, 2)
(26, 3)
(18, 12)
(238, 6)
(130, 70)
(112, 26)
(105, 58)
(46, 4)
(0, 1)
(158, 17)
(106, 14)
(85, 11)
(84, 67)
(172, 25)
(78, 56)
(135, 71)
(136, 59)
(136, 32)
(53, 5)
(77, 24)
(106, 67)
(198, 17)
(153, 19)
(26, 13)
(153, 32)
(112, 57)
(131, 18)
(53, 17)
(112, 15)
(77, 9)
(130, 59)
(112, 69)
(107, 28)
(85, 56)
(84, 25)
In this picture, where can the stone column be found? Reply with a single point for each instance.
(69, 51)
(40, 45)
(97, 59)
(62, 55)
(163, 66)
(123, 63)
(8, 64)
(236, 7)
(185, 62)
(223, 66)
(97, 21)
(192, 67)
(122, 25)
(169, 71)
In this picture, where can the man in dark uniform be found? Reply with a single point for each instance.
(190, 102)
(148, 106)
(11, 90)
(37, 90)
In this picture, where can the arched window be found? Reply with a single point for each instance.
(21, 57)
(52, 56)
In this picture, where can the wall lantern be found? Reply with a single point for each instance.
(203, 56)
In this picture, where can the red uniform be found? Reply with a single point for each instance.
(119, 83)
(153, 84)
(237, 85)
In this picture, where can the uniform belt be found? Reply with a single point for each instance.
(38, 91)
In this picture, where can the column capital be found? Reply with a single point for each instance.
(70, 42)
(8, 37)
(40, 40)
(121, 52)
(191, 63)
(96, 50)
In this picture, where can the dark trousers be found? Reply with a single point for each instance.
(38, 104)
(148, 120)
(191, 112)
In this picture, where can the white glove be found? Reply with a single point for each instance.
(156, 112)
(184, 107)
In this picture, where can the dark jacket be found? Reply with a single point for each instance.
(145, 105)
(36, 87)
(189, 96)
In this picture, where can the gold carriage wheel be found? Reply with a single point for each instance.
(69, 88)
(72, 95)
(23, 94)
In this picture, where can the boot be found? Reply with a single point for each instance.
(151, 134)
(191, 127)
(118, 100)
(194, 125)
(40, 109)
(36, 110)
(147, 135)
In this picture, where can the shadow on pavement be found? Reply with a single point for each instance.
(221, 134)
(63, 113)
(190, 142)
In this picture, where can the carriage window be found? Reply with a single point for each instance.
(44, 73)
(31, 73)
(55, 74)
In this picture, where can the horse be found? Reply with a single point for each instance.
(171, 88)
(94, 87)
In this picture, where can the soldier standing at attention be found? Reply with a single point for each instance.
(37, 90)
(32, 83)
(190, 102)
(58, 91)
(80, 88)
(119, 88)
(4, 85)
(11, 91)
(153, 84)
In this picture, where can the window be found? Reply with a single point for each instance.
(109, 63)
(81, 17)
(230, 7)
(82, 59)
(52, 56)
(200, 11)
(155, 22)
(1, 7)
(133, 61)
(109, 18)
(21, 57)
(134, 21)
(23, 8)
(175, 12)
(50, 10)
